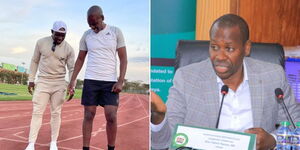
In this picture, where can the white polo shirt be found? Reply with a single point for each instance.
(102, 52)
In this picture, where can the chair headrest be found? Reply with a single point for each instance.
(192, 51)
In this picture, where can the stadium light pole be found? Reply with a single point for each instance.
(23, 65)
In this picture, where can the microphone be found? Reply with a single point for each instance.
(279, 95)
(224, 91)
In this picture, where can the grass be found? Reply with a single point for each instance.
(22, 93)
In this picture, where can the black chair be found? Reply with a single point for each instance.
(191, 51)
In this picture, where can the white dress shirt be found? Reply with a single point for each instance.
(236, 114)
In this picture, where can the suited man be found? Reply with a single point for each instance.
(250, 105)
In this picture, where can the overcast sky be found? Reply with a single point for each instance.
(23, 22)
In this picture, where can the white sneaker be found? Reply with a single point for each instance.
(30, 146)
(53, 146)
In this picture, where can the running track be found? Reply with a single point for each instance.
(133, 125)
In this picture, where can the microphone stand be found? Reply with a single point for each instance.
(217, 124)
(289, 116)
(279, 95)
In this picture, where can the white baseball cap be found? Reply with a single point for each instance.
(58, 25)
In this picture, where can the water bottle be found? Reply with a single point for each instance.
(296, 137)
(284, 135)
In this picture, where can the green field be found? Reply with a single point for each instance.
(22, 93)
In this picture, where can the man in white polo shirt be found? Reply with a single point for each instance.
(51, 55)
(101, 86)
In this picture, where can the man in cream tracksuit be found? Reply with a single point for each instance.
(51, 55)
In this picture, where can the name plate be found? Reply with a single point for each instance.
(199, 138)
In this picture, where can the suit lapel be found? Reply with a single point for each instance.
(215, 101)
(211, 91)
(256, 88)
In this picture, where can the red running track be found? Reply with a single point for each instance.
(133, 125)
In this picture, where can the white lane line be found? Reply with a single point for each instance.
(46, 113)
(16, 107)
(45, 145)
(21, 137)
(122, 105)
(96, 147)
(96, 132)
(27, 126)
(144, 97)
(142, 105)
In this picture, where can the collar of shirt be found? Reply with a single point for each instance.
(102, 32)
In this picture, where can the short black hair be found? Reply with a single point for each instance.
(232, 20)
(95, 9)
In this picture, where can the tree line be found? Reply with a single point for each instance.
(14, 77)
(129, 86)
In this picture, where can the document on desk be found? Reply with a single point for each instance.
(208, 139)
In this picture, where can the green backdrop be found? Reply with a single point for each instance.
(171, 20)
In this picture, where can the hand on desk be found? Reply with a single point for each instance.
(264, 140)
(158, 109)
